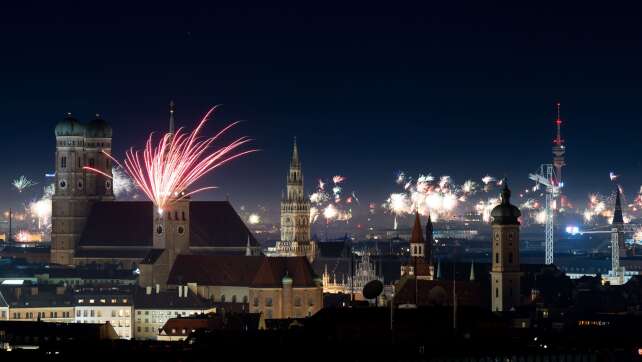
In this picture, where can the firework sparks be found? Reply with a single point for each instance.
(254, 219)
(22, 183)
(165, 171)
(41, 209)
(329, 203)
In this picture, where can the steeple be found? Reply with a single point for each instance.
(429, 240)
(248, 249)
(617, 213)
(417, 234)
(295, 155)
(172, 109)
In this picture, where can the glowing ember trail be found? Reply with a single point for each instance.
(164, 172)
(22, 183)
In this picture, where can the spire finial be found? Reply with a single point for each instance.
(295, 153)
(505, 192)
(172, 109)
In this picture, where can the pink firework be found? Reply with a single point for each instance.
(164, 172)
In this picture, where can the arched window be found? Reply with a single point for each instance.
(496, 292)
(183, 214)
(268, 301)
(63, 162)
(222, 298)
(234, 299)
(175, 215)
(245, 299)
(496, 257)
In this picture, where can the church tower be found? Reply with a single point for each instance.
(505, 273)
(419, 264)
(295, 214)
(76, 189)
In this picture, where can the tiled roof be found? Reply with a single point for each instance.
(254, 271)
(216, 223)
(168, 300)
(130, 224)
(273, 270)
(119, 223)
(230, 270)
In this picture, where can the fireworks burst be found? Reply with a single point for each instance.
(330, 204)
(41, 209)
(22, 183)
(165, 171)
(254, 219)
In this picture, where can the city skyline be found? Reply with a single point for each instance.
(361, 105)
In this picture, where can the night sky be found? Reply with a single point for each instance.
(459, 89)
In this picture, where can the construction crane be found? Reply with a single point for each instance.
(617, 232)
(618, 228)
(546, 177)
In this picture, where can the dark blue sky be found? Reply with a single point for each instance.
(455, 88)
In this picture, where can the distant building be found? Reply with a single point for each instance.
(153, 308)
(180, 328)
(33, 303)
(31, 335)
(105, 306)
(505, 272)
(420, 263)
(276, 287)
(295, 215)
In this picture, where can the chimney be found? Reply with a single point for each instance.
(148, 290)
(180, 291)
(157, 288)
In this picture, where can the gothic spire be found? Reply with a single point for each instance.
(295, 155)
(417, 235)
(248, 250)
(617, 214)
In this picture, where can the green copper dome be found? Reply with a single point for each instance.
(70, 127)
(98, 128)
(286, 279)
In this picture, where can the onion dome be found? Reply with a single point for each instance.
(286, 279)
(70, 127)
(98, 128)
(505, 213)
